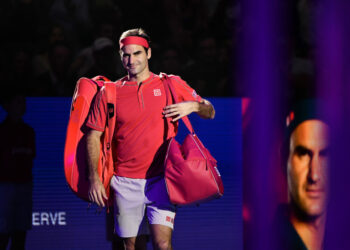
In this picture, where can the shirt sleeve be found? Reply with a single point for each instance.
(183, 91)
(97, 116)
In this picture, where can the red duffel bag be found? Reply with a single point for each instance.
(191, 173)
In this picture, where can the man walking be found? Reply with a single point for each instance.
(139, 144)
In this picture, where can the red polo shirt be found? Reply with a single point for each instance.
(138, 147)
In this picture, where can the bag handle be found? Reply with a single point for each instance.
(111, 91)
(170, 92)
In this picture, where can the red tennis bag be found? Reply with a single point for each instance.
(75, 155)
(191, 173)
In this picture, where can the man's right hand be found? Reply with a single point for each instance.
(97, 192)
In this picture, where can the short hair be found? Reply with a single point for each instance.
(137, 32)
(10, 94)
(302, 110)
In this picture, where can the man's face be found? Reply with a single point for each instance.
(307, 167)
(135, 59)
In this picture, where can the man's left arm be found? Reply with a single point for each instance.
(203, 108)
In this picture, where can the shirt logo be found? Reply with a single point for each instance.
(157, 92)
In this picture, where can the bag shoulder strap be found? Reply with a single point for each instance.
(170, 92)
(110, 89)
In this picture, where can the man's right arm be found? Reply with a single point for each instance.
(97, 192)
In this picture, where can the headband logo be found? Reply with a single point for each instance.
(290, 118)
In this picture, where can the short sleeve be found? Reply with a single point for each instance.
(97, 116)
(183, 90)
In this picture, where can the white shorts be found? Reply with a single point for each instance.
(135, 198)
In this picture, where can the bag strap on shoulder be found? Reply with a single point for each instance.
(110, 89)
(170, 93)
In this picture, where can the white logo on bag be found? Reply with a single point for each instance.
(194, 94)
(217, 171)
(157, 92)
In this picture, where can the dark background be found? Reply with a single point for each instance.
(47, 45)
(271, 51)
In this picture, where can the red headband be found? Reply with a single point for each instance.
(133, 40)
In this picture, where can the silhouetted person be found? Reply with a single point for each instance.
(17, 151)
(57, 80)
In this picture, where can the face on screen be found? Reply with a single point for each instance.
(307, 167)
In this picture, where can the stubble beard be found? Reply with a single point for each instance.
(305, 211)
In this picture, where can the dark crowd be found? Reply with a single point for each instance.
(47, 45)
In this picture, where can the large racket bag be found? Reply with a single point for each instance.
(75, 154)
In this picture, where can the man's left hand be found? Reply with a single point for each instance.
(179, 110)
